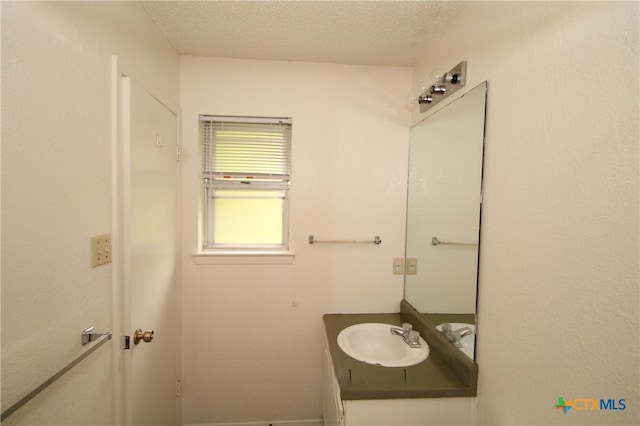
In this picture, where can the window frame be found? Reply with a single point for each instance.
(271, 251)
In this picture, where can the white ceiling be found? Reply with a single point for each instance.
(393, 33)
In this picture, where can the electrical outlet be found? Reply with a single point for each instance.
(412, 265)
(398, 265)
(100, 250)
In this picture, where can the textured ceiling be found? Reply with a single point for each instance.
(391, 33)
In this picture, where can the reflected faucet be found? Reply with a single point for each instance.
(455, 336)
(410, 336)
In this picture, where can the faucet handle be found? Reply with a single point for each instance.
(413, 339)
(406, 327)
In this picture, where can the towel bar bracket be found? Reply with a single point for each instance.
(90, 335)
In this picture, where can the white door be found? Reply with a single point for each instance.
(149, 262)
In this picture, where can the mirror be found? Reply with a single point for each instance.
(443, 210)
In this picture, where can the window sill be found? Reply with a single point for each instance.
(222, 257)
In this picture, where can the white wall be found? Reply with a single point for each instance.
(56, 194)
(558, 296)
(248, 353)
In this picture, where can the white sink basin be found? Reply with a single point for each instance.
(374, 344)
(468, 342)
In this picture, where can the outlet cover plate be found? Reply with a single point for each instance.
(398, 265)
(412, 265)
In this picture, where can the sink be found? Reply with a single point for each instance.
(374, 344)
(468, 342)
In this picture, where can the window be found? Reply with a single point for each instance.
(246, 178)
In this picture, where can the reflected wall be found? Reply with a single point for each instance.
(444, 201)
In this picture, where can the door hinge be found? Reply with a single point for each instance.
(178, 388)
(127, 342)
(178, 153)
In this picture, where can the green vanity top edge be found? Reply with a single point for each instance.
(434, 377)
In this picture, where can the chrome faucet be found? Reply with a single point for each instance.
(455, 336)
(410, 337)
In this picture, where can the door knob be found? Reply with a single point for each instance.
(147, 336)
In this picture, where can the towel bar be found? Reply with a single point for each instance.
(15, 407)
(376, 241)
(436, 242)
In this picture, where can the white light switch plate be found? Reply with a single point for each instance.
(100, 250)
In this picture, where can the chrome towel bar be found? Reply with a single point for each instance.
(436, 242)
(376, 241)
(99, 342)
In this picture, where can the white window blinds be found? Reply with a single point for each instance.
(246, 175)
(241, 152)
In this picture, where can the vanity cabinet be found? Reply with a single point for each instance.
(358, 394)
(332, 407)
(387, 412)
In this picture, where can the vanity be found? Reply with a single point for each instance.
(361, 386)
(437, 391)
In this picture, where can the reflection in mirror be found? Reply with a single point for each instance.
(443, 213)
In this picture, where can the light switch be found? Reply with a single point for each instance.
(100, 250)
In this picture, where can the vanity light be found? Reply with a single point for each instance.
(425, 99)
(439, 86)
(438, 89)
(451, 78)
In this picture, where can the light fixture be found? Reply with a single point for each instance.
(438, 88)
(425, 99)
(440, 85)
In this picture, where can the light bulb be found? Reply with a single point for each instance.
(413, 99)
(436, 76)
(424, 86)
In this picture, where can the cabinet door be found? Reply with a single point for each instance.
(333, 411)
(410, 412)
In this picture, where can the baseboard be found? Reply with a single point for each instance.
(274, 423)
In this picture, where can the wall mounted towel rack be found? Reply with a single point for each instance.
(436, 242)
(376, 241)
(104, 337)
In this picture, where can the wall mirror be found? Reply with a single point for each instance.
(443, 211)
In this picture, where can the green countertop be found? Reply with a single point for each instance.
(432, 378)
